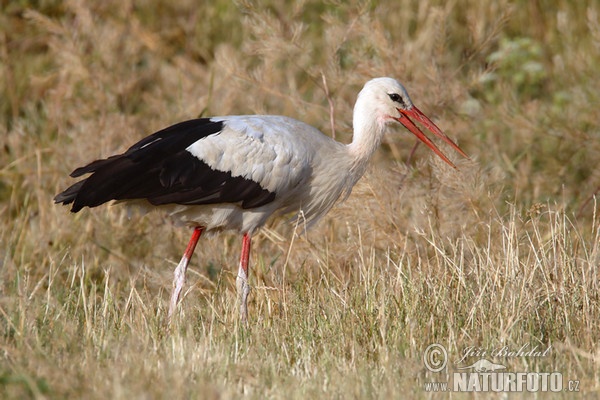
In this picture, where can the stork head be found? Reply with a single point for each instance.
(385, 100)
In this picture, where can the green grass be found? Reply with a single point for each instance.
(503, 251)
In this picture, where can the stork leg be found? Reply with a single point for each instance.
(243, 289)
(179, 278)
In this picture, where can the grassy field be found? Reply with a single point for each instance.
(502, 252)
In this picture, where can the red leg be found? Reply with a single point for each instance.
(241, 282)
(179, 278)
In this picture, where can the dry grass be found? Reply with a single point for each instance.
(503, 251)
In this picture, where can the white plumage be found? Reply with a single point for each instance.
(282, 155)
(234, 172)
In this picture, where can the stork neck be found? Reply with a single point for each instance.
(368, 133)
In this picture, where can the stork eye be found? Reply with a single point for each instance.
(396, 98)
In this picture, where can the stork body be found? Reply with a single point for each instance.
(234, 172)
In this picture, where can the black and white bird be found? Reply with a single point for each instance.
(234, 172)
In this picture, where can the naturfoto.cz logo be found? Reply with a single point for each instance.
(484, 375)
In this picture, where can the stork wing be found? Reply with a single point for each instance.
(161, 169)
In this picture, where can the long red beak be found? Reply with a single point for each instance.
(422, 118)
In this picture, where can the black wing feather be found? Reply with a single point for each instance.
(160, 169)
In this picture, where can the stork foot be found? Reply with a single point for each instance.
(243, 289)
(179, 276)
(178, 282)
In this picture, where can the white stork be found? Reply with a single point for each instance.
(234, 172)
